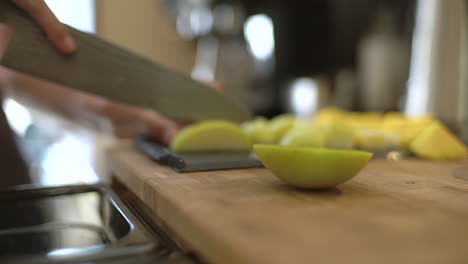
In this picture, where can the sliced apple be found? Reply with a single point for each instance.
(370, 139)
(329, 114)
(280, 125)
(312, 167)
(314, 137)
(437, 142)
(394, 122)
(305, 135)
(258, 131)
(416, 125)
(210, 136)
(339, 135)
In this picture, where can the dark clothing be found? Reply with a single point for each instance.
(13, 169)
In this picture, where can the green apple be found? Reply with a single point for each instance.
(280, 125)
(312, 168)
(370, 139)
(258, 131)
(210, 136)
(339, 135)
(305, 135)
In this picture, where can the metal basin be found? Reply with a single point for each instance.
(70, 224)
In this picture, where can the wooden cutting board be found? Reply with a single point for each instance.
(409, 211)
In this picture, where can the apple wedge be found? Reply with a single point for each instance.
(280, 125)
(257, 131)
(305, 135)
(437, 142)
(312, 168)
(207, 136)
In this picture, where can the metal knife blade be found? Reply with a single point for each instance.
(105, 69)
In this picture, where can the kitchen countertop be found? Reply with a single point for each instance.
(408, 211)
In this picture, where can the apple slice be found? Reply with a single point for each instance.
(305, 135)
(312, 168)
(437, 142)
(280, 125)
(210, 136)
(257, 131)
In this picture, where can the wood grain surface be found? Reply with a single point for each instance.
(409, 211)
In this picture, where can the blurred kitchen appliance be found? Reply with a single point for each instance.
(309, 39)
(223, 54)
(438, 77)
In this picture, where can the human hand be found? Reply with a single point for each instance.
(130, 121)
(56, 32)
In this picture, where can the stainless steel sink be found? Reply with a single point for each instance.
(74, 224)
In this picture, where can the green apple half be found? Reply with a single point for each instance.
(312, 168)
(210, 136)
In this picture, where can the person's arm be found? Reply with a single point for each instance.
(86, 109)
(90, 110)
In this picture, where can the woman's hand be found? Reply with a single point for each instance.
(129, 121)
(56, 31)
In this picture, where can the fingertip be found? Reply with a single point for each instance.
(60, 36)
(69, 45)
(64, 42)
(56, 32)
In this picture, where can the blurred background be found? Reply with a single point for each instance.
(275, 56)
(298, 56)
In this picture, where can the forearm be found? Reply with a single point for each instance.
(86, 109)
(53, 98)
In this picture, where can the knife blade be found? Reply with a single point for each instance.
(103, 68)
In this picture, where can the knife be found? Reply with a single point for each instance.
(104, 69)
(197, 161)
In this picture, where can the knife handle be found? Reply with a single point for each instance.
(158, 152)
